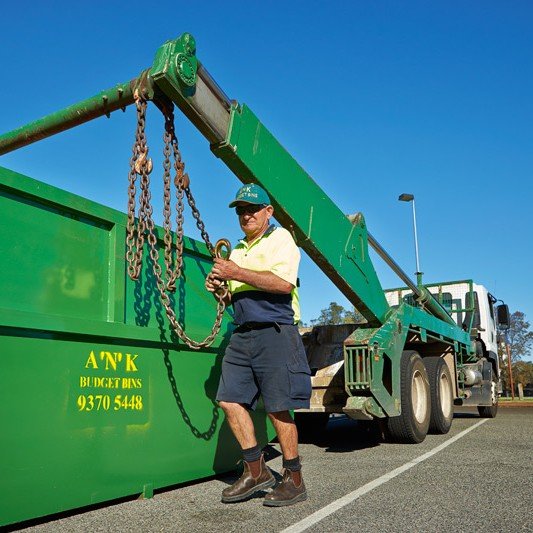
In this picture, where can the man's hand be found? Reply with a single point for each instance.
(226, 270)
(212, 283)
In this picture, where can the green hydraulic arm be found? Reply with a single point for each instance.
(236, 135)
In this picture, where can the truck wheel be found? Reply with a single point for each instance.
(490, 410)
(441, 392)
(413, 423)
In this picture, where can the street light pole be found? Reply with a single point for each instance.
(416, 239)
(405, 197)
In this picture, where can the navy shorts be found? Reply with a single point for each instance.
(269, 362)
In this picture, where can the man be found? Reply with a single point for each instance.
(265, 355)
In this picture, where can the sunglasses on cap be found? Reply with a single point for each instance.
(249, 209)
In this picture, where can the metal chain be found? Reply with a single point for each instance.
(199, 223)
(135, 231)
(172, 273)
(141, 165)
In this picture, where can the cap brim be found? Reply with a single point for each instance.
(235, 203)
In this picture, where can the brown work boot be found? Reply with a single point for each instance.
(256, 476)
(290, 490)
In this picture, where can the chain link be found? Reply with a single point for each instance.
(136, 232)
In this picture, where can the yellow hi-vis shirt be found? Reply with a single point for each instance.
(275, 251)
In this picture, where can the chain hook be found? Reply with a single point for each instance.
(222, 243)
(223, 291)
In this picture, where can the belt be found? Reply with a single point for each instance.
(249, 326)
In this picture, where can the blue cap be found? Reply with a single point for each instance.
(251, 194)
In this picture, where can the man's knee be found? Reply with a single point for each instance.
(225, 406)
(230, 407)
(281, 416)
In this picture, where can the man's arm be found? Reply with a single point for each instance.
(264, 280)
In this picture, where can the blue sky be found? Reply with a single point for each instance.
(372, 98)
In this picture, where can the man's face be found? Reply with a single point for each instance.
(253, 219)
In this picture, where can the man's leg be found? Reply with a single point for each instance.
(287, 433)
(292, 488)
(240, 423)
(256, 475)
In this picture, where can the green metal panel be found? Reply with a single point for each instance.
(97, 399)
(73, 253)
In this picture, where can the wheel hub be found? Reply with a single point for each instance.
(445, 396)
(419, 396)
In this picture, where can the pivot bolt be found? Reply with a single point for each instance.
(186, 70)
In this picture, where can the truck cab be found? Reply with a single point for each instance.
(485, 324)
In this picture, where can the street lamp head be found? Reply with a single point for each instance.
(406, 197)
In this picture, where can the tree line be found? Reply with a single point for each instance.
(519, 337)
(337, 314)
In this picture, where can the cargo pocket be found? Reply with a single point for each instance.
(299, 380)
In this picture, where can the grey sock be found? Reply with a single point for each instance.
(293, 465)
(252, 454)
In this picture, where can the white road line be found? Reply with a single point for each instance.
(319, 515)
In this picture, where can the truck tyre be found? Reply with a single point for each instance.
(412, 425)
(489, 411)
(441, 392)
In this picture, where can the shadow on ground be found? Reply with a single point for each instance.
(343, 435)
(466, 412)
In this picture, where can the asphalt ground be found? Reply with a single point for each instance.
(483, 480)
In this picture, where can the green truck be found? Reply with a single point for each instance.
(412, 390)
(109, 357)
